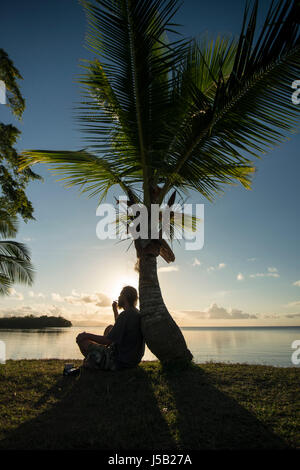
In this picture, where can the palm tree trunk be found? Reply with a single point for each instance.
(162, 335)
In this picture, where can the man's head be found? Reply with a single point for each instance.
(128, 297)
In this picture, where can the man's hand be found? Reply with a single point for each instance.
(82, 336)
(115, 309)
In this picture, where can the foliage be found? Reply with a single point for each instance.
(15, 264)
(31, 321)
(12, 182)
(188, 114)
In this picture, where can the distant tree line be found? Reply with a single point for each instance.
(31, 321)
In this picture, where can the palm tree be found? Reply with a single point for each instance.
(163, 117)
(15, 265)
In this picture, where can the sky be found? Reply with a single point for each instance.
(248, 271)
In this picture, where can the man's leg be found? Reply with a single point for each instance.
(83, 345)
(107, 330)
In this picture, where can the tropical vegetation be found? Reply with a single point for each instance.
(164, 115)
(15, 262)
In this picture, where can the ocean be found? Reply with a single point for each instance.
(252, 345)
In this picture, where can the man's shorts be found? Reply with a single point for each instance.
(101, 357)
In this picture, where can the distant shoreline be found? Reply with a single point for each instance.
(31, 322)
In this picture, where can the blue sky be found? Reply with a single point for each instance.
(248, 269)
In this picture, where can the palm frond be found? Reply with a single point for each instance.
(15, 265)
(130, 39)
(5, 284)
(8, 224)
(10, 75)
(93, 174)
(251, 111)
(161, 115)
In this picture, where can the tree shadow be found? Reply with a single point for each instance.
(124, 410)
(212, 419)
(97, 410)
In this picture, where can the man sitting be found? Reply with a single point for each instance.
(125, 334)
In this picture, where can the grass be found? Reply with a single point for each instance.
(208, 406)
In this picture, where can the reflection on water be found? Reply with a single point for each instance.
(253, 345)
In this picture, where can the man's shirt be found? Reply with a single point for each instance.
(127, 335)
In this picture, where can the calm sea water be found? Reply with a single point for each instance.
(259, 345)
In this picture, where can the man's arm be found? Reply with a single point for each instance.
(115, 309)
(96, 338)
(99, 339)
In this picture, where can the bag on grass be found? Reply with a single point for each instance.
(101, 357)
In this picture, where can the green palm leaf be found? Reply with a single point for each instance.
(129, 37)
(15, 265)
(92, 173)
(251, 110)
(8, 224)
(182, 115)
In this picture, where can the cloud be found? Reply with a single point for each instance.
(264, 275)
(34, 295)
(222, 293)
(251, 259)
(28, 310)
(17, 311)
(168, 269)
(56, 297)
(14, 294)
(240, 277)
(272, 272)
(85, 299)
(196, 262)
(97, 300)
(214, 268)
(236, 313)
(103, 300)
(28, 239)
(292, 315)
(296, 283)
(100, 316)
(214, 312)
(294, 304)
(270, 315)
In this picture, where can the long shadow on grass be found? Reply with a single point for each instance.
(142, 408)
(206, 418)
(98, 410)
